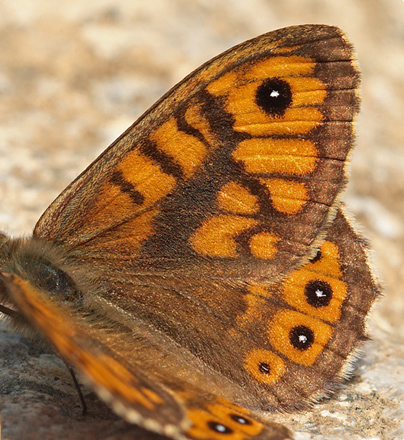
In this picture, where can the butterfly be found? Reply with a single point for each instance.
(203, 271)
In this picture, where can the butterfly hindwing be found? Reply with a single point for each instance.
(304, 332)
(278, 344)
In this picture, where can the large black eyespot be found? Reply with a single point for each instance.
(318, 293)
(218, 427)
(274, 96)
(53, 280)
(301, 337)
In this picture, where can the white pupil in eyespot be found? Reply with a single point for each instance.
(319, 293)
(220, 428)
(302, 339)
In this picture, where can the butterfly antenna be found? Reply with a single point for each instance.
(78, 389)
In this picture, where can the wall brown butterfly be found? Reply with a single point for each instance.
(202, 270)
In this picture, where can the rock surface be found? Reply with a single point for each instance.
(73, 77)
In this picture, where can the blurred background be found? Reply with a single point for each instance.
(74, 75)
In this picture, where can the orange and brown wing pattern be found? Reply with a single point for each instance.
(310, 326)
(128, 390)
(184, 412)
(215, 418)
(264, 347)
(203, 262)
(279, 345)
(228, 169)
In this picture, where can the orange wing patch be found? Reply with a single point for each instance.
(186, 150)
(263, 245)
(220, 419)
(286, 196)
(146, 177)
(298, 336)
(235, 198)
(251, 117)
(216, 236)
(286, 156)
(318, 288)
(264, 365)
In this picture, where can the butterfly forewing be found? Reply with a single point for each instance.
(228, 170)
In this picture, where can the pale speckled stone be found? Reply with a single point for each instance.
(75, 75)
